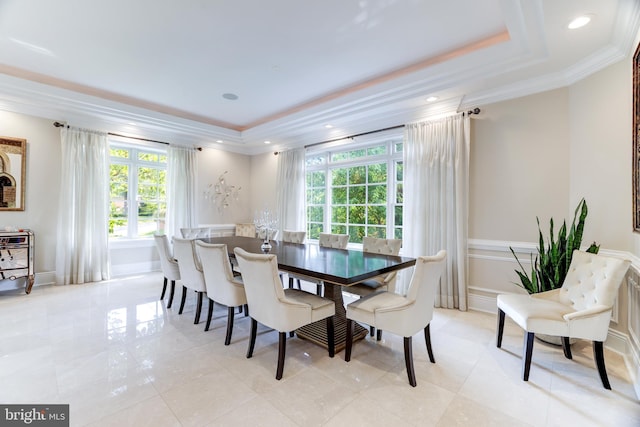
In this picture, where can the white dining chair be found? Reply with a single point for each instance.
(325, 240)
(297, 237)
(246, 229)
(222, 286)
(191, 275)
(402, 315)
(284, 310)
(169, 266)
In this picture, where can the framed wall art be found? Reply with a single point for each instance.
(13, 162)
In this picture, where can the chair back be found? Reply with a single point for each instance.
(266, 298)
(289, 236)
(195, 233)
(422, 290)
(168, 264)
(592, 280)
(273, 234)
(218, 276)
(189, 264)
(336, 241)
(246, 230)
(387, 247)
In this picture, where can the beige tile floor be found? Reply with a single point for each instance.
(119, 357)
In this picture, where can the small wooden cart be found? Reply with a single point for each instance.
(16, 256)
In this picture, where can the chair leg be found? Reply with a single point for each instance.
(246, 310)
(171, 292)
(184, 298)
(290, 282)
(252, 338)
(500, 328)
(240, 309)
(598, 354)
(379, 335)
(408, 361)
(331, 342)
(526, 357)
(230, 314)
(427, 340)
(372, 331)
(282, 349)
(209, 314)
(164, 288)
(299, 285)
(198, 308)
(349, 340)
(319, 289)
(566, 347)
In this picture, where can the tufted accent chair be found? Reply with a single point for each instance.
(581, 308)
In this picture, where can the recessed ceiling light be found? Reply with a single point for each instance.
(230, 96)
(578, 22)
(328, 126)
(131, 124)
(432, 98)
(267, 142)
(219, 141)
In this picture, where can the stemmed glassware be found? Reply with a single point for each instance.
(266, 223)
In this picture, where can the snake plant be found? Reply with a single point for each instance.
(553, 258)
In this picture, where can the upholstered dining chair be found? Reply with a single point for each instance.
(275, 307)
(191, 275)
(246, 230)
(581, 308)
(169, 266)
(385, 282)
(325, 240)
(195, 233)
(222, 286)
(297, 237)
(402, 315)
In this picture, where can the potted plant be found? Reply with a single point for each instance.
(553, 257)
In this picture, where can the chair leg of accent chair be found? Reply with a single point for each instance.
(209, 314)
(252, 338)
(184, 298)
(566, 347)
(331, 342)
(198, 308)
(500, 328)
(427, 340)
(171, 292)
(349, 340)
(526, 357)
(598, 354)
(230, 314)
(408, 361)
(164, 288)
(282, 349)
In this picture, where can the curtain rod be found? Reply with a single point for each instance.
(470, 112)
(59, 125)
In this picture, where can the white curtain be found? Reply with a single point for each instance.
(291, 190)
(436, 193)
(182, 171)
(82, 247)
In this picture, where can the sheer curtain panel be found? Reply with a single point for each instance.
(182, 170)
(436, 188)
(291, 190)
(82, 254)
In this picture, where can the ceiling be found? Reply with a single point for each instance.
(165, 69)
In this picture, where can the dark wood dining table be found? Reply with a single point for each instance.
(336, 268)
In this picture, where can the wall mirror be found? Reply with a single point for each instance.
(636, 140)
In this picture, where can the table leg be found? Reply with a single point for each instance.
(317, 332)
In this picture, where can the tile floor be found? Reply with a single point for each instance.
(119, 357)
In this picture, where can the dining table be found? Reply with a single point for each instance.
(336, 268)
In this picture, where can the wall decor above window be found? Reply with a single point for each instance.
(13, 161)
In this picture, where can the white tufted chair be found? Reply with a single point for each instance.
(222, 286)
(581, 308)
(190, 272)
(275, 307)
(385, 282)
(246, 230)
(298, 238)
(402, 315)
(325, 240)
(169, 266)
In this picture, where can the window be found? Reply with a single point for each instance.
(357, 191)
(137, 191)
